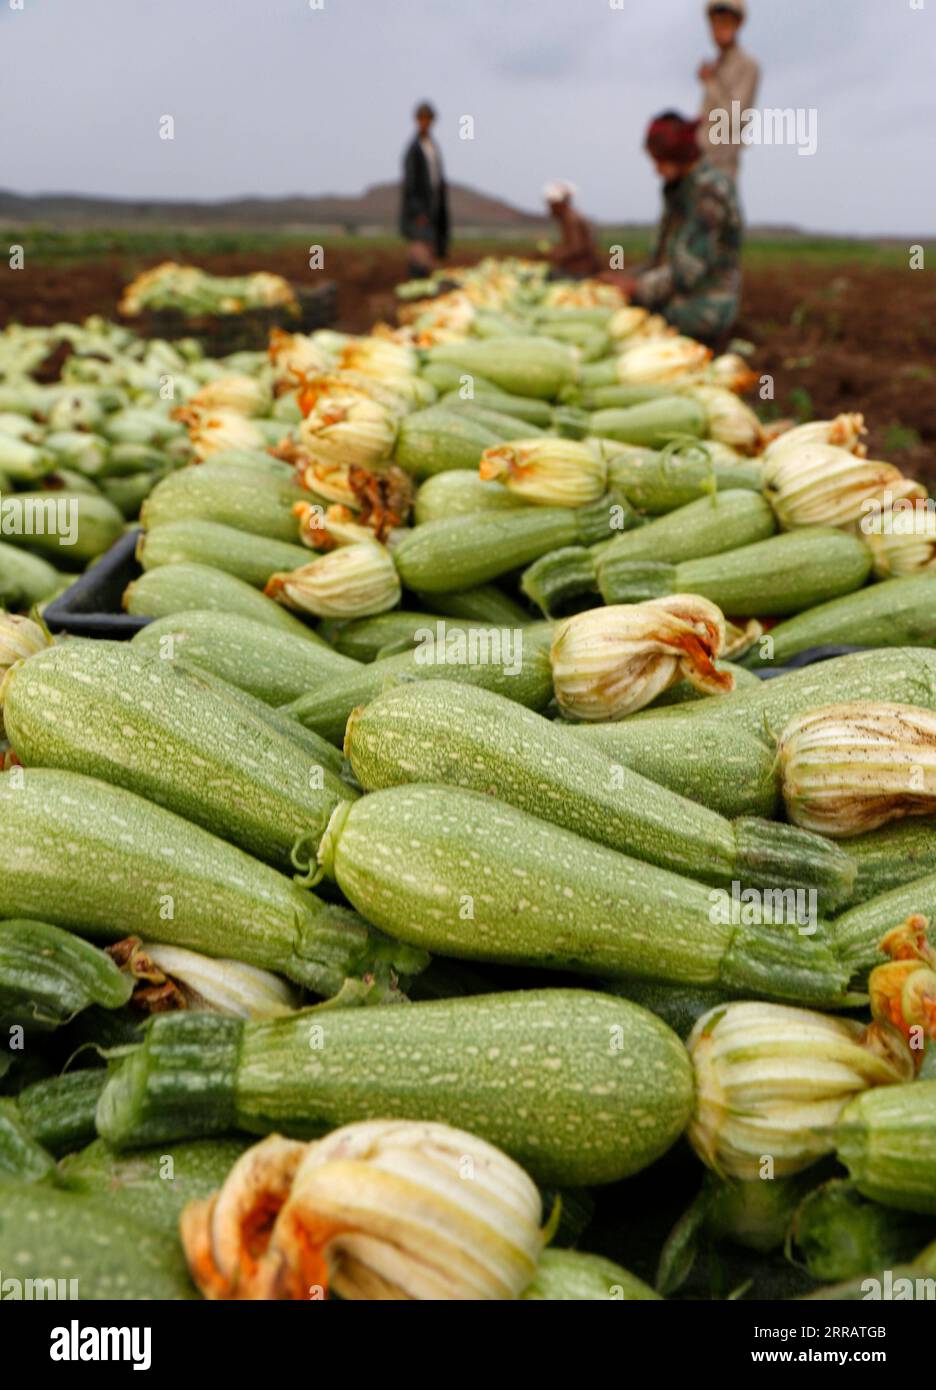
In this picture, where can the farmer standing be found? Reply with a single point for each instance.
(732, 77)
(424, 213)
(574, 255)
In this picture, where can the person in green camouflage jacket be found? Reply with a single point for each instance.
(694, 278)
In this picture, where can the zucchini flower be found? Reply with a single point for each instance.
(377, 357)
(242, 394)
(610, 662)
(844, 432)
(346, 426)
(627, 321)
(583, 294)
(379, 1211)
(547, 472)
(218, 430)
(353, 581)
(326, 531)
(902, 541)
(821, 485)
(772, 1080)
(295, 358)
(731, 372)
(20, 638)
(903, 992)
(660, 360)
(849, 768)
(172, 977)
(730, 421)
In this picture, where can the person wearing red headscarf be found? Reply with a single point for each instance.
(694, 276)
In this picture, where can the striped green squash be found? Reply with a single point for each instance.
(250, 558)
(105, 708)
(180, 587)
(242, 498)
(273, 665)
(85, 529)
(460, 492)
(894, 613)
(109, 864)
(25, 579)
(468, 737)
(48, 975)
(465, 876)
(578, 1087)
(514, 663)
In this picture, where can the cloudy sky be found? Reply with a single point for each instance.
(277, 97)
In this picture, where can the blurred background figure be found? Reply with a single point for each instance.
(424, 212)
(575, 254)
(732, 76)
(694, 277)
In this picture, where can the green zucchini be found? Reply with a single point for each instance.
(730, 770)
(152, 1180)
(25, 579)
(435, 440)
(904, 675)
(59, 1112)
(521, 365)
(101, 709)
(165, 879)
(860, 930)
(895, 613)
(238, 497)
(461, 736)
(579, 1088)
(484, 604)
(270, 664)
(48, 975)
(505, 423)
(70, 1245)
(180, 587)
(781, 575)
(513, 663)
(679, 1006)
(566, 1275)
(886, 1137)
(710, 526)
(447, 377)
(652, 424)
(21, 1156)
(249, 558)
(129, 493)
(464, 551)
(619, 397)
(465, 876)
(683, 692)
(460, 493)
(67, 528)
(892, 856)
(660, 482)
(366, 639)
(525, 408)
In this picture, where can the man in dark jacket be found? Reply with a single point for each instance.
(424, 216)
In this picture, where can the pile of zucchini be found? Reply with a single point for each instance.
(323, 853)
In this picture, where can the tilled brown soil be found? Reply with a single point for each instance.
(852, 337)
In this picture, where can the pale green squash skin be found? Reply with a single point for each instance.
(462, 875)
(98, 524)
(578, 1087)
(110, 711)
(274, 666)
(238, 497)
(252, 559)
(25, 579)
(100, 860)
(465, 737)
(182, 587)
(567, 1275)
(886, 1138)
(49, 1234)
(460, 492)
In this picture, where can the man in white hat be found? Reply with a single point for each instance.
(575, 254)
(732, 77)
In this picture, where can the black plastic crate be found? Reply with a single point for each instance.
(220, 334)
(91, 607)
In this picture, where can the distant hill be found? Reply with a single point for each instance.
(375, 207)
